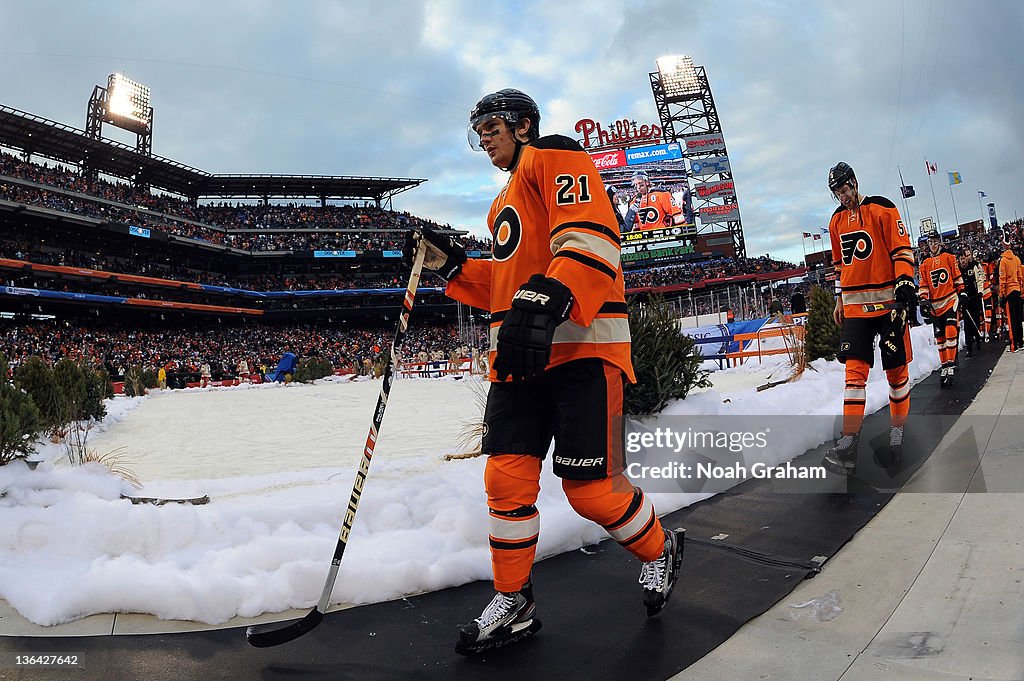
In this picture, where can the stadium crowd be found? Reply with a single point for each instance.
(695, 272)
(140, 265)
(118, 347)
(237, 225)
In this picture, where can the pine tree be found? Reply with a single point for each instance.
(71, 391)
(19, 419)
(823, 333)
(97, 388)
(665, 360)
(35, 377)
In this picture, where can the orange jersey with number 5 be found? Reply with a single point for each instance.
(870, 249)
(554, 217)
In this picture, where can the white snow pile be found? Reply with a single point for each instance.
(278, 465)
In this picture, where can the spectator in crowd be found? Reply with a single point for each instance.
(286, 366)
(797, 302)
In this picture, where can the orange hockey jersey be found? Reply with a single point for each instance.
(656, 209)
(991, 285)
(554, 217)
(870, 249)
(1011, 277)
(941, 282)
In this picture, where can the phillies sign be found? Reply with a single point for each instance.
(621, 133)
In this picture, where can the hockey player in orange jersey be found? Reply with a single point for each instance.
(559, 356)
(875, 274)
(652, 208)
(1011, 282)
(941, 289)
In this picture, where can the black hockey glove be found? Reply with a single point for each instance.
(443, 256)
(525, 335)
(906, 292)
(926, 308)
(964, 301)
(906, 298)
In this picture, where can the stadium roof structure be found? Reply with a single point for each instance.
(40, 136)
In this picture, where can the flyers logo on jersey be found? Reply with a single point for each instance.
(508, 233)
(939, 276)
(855, 245)
(649, 215)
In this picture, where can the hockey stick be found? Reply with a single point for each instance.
(266, 637)
(878, 307)
(967, 313)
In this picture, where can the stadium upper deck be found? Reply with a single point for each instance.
(34, 135)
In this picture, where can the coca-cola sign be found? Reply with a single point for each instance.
(621, 133)
(609, 159)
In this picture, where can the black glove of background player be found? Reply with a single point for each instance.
(443, 256)
(926, 308)
(525, 335)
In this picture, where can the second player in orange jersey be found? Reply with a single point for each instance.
(875, 274)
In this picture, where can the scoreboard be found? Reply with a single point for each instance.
(660, 246)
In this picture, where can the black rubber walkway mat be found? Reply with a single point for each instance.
(745, 551)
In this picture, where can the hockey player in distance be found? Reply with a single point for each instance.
(653, 207)
(975, 286)
(940, 291)
(875, 274)
(1011, 282)
(560, 355)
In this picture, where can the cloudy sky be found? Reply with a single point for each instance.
(383, 88)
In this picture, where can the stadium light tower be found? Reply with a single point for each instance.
(678, 76)
(688, 116)
(124, 103)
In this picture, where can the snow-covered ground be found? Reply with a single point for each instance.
(278, 463)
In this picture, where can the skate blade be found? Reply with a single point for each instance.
(654, 608)
(525, 630)
(838, 468)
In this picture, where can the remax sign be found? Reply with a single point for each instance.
(657, 152)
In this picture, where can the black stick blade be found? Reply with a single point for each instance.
(267, 637)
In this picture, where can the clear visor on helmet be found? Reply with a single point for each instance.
(480, 127)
